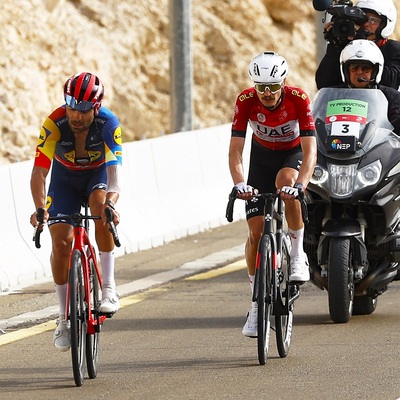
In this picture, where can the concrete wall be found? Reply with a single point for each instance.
(173, 186)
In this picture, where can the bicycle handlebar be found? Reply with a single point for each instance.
(76, 218)
(229, 208)
(233, 195)
(37, 232)
(112, 228)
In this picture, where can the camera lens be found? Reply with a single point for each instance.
(343, 29)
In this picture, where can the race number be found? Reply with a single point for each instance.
(346, 116)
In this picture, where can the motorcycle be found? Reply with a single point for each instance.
(353, 236)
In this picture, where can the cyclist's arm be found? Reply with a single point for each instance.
(309, 149)
(113, 183)
(236, 159)
(38, 189)
(112, 136)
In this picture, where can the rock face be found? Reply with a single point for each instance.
(126, 42)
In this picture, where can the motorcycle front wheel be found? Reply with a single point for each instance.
(340, 280)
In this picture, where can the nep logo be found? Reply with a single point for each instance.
(338, 145)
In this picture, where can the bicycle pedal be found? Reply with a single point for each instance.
(106, 314)
(297, 283)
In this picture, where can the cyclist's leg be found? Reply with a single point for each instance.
(255, 227)
(298, 259)
(105, 242)
(264, 165)
(61, 200)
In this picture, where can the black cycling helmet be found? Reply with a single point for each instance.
(83, 91)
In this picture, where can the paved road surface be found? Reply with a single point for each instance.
(183, 340)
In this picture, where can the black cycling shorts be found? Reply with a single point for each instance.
(264, 166)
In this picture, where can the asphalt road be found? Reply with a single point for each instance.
(182, 340)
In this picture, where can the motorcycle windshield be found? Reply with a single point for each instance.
(349, 122)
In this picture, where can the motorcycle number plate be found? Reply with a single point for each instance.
(345, 128)
(341, 144)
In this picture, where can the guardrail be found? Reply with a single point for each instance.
(173, 186)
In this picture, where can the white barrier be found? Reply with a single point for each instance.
(173, 186)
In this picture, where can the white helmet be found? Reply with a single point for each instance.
(268, 67)
(384, 8)
(362, 51)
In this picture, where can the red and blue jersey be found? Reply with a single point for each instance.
(57, 141)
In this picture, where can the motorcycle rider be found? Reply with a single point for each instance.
(361, 66)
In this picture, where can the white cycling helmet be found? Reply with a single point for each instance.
(364, 52)
(268, 67)
(385, 9)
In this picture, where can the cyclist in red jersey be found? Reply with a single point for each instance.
(283, 156)
(82, 141)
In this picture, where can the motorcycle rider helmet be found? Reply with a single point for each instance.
(83, 91)
(364, 52)
(268, 67)
(386, 11)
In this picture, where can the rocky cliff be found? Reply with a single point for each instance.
(126, 42)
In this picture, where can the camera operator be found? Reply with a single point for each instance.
(374, 20)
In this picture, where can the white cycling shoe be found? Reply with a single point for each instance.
(300, 269)
(109, 302)
(250, 328)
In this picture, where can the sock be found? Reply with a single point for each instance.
(61, 292)
(251, 279)
(296, 237)
(107, 267)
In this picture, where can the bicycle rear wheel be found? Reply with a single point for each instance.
(264, 299)
(92, 339)
(77, 317)
(284, 310)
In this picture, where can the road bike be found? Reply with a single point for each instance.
(274, 293)
(83, 294)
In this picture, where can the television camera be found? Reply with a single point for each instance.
(346, 20)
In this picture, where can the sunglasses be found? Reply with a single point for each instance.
(364, 67)
(79, 106)
(374, 21)
(272, 87)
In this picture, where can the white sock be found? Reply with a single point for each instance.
(61, 292)
(107, 261)
(252, 279)
(296, 237)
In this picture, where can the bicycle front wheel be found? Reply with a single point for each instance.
(284, 318)
(77, 316)
(264, 299)
(92, 339)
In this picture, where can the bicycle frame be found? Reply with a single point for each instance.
(83, 245)
(84, 282)
(273, 292)
(274, 211)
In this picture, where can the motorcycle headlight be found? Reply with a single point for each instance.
(345, 179)
(369, 175)
(319, 176)
(341, 179)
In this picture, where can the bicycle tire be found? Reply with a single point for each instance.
(77, 317)
(264, 299)
(284, 320)
(92, 340)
